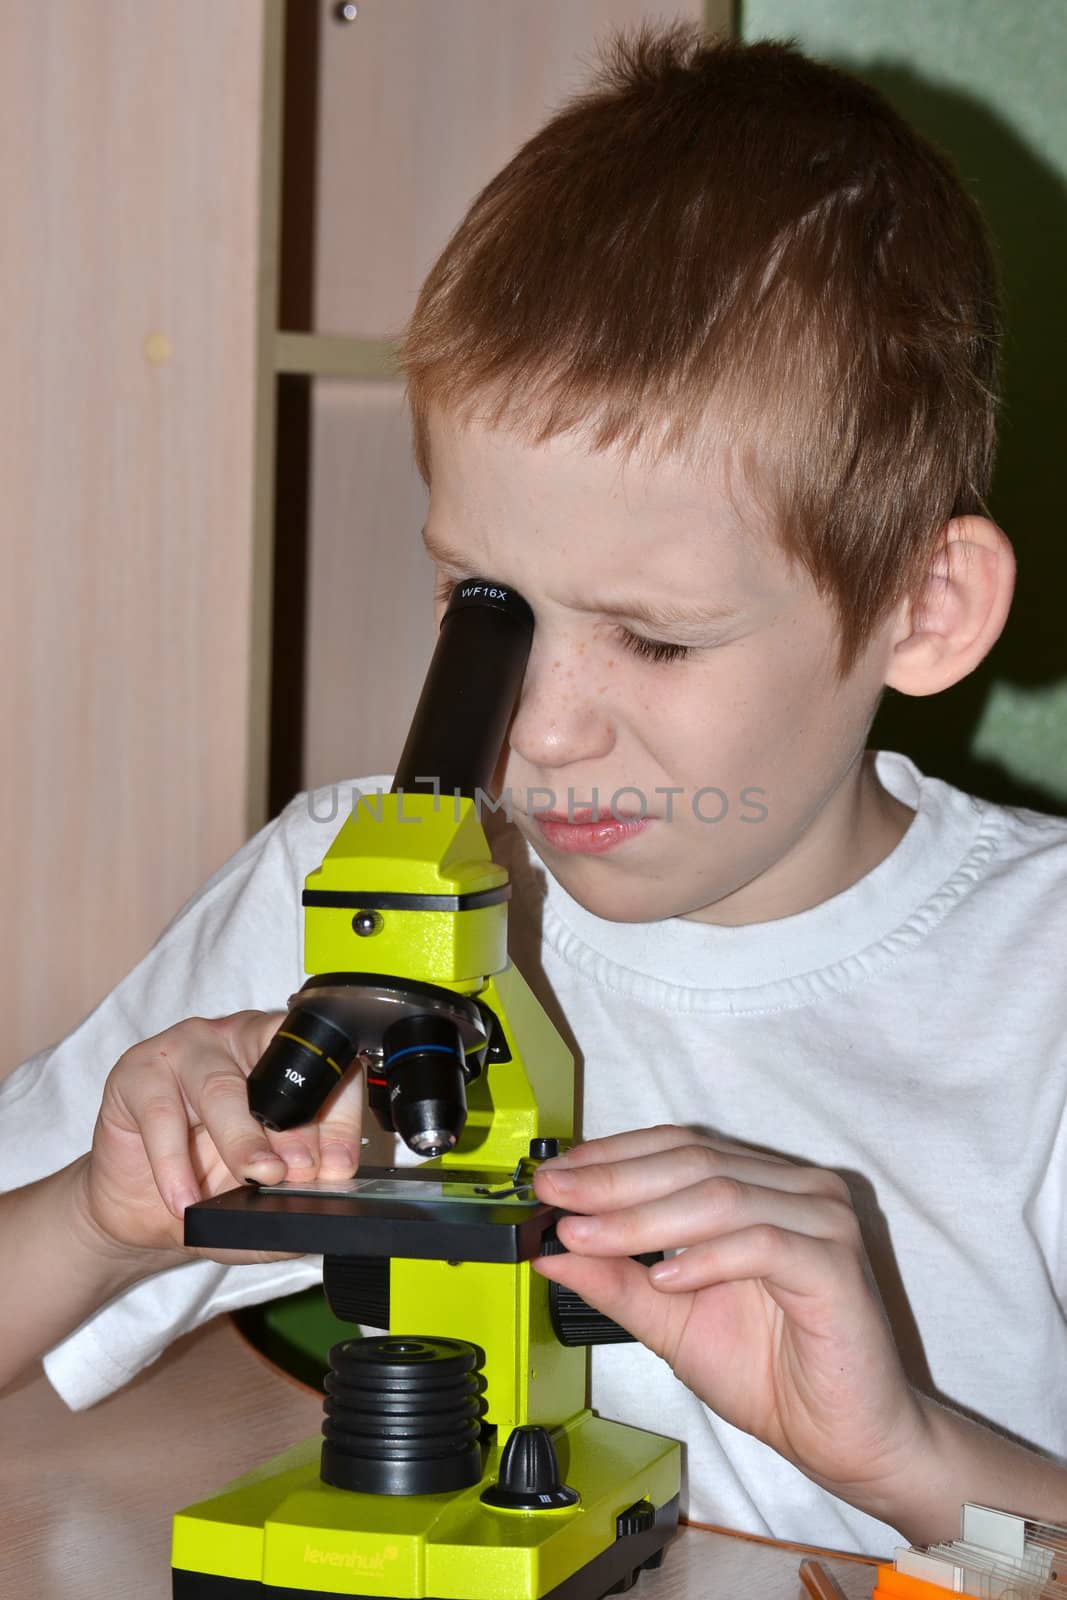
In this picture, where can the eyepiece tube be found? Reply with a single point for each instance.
(470, 691)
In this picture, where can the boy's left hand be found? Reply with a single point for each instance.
(770, 1314)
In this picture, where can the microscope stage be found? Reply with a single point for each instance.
(424, 1214)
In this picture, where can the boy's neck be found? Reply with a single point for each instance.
(857, 828)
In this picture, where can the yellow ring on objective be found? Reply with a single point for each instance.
(281, 1034)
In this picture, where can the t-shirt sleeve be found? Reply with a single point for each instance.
(236, 944)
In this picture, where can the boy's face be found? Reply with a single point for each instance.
(730, 733)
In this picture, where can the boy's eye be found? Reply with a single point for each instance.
(648, 649)
(653, 649)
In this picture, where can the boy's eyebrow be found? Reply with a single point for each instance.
(446, 555)
(669, 616)
(643, 611)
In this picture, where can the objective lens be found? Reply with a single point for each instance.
(308, 1056)
(427, 1082)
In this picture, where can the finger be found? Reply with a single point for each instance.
(649, 1141)
(812, 1280)
(159, 1118)
(613, 1185)
(341, 1127)
(202, 1059)
(246, 1035)
(705, 1211)
(622, 1291)
(327, 1147)
(621, 1146)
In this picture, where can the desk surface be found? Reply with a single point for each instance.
(86, 1499)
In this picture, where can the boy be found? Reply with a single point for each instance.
(707, 374)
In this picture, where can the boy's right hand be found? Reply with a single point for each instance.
(174, 1128)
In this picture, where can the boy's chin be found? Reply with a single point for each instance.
(618, 898)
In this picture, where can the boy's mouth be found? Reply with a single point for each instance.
(583, 831)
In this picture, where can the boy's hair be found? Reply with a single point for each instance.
(723, 242)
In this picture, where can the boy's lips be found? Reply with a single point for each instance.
(586, 831)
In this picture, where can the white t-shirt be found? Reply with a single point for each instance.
(910, 1033)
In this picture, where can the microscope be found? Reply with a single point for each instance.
(459, 1459)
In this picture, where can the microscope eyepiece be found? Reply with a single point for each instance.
(470, 692)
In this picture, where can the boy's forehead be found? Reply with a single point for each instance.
(480, 472)
(639, 536)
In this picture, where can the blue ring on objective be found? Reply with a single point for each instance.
(425, 1049)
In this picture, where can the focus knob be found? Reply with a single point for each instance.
(574, 1321)
(529, 1474)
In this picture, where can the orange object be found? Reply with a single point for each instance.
(894, 1585)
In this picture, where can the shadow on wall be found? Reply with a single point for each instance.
(1024, 201)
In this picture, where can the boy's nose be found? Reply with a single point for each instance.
(563, 715)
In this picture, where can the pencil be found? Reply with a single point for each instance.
(819, 1581)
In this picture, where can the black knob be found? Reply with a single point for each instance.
(357, 1288)
(529, 1474)
(574, 1321)
(637, 1518)
(543, 1149)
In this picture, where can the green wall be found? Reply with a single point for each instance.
(984, 79)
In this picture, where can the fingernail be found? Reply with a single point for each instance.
(663, 1271)
(582, 1227)
(180, 1199)
(261, 1155)
(337, 1154)
(298, 1155)
(264, 1164)
(562, 1179)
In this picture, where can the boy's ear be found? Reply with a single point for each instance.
(953, 621)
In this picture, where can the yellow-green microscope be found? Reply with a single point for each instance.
(459, 1459)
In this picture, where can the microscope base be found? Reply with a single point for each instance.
(280, 1533)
